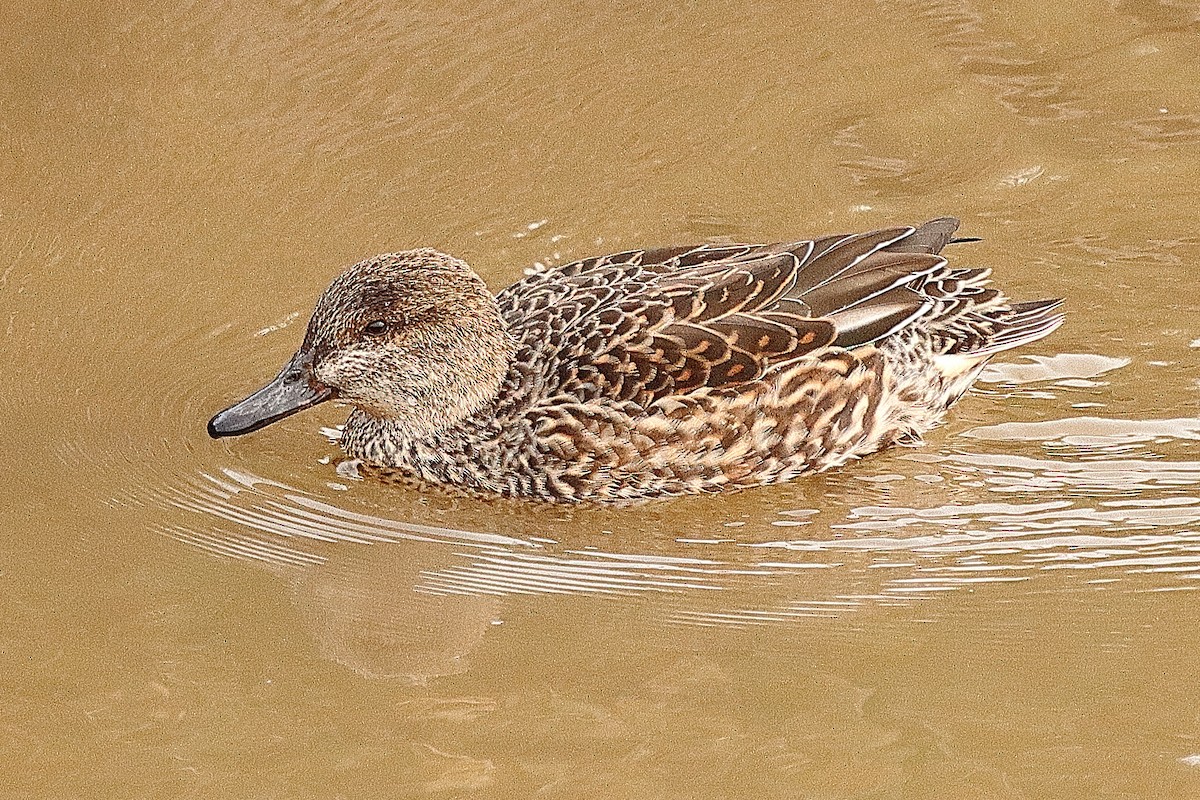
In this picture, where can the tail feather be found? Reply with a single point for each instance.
(1024, 323)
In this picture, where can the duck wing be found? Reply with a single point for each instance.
(644, 324)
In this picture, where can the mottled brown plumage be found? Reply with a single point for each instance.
(648, 373)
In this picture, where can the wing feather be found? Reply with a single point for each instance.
(642, 325)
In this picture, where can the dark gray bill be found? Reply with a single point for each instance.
(294, 389)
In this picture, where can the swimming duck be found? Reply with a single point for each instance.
(647, 373)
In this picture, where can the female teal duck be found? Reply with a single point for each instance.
(647, 373)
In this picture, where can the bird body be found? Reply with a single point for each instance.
(657, 372)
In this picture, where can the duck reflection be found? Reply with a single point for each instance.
(404, 600)
(370, 610)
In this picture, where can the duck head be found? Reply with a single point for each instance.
(414, 338)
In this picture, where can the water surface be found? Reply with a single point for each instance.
(1009, 611)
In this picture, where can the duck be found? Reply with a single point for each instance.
(647, 373)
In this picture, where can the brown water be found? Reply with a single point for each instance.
(1008, 612)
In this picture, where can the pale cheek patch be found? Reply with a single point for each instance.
(340, 369)
(372, 379)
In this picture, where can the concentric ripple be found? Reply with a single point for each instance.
(1005, 503)
(1050, 482)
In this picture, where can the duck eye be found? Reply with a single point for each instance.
(376, 328)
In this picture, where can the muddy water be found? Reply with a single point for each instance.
(1009, 611)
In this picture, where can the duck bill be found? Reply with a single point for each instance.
(294, 389)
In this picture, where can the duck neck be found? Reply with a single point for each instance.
(444, 410)
(437, 457)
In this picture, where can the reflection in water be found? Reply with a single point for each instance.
(365, 606)
(1059, 368)
(1099, 477)
(1092, 432)
(414, 610)
(369, 611)
(369, 608)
